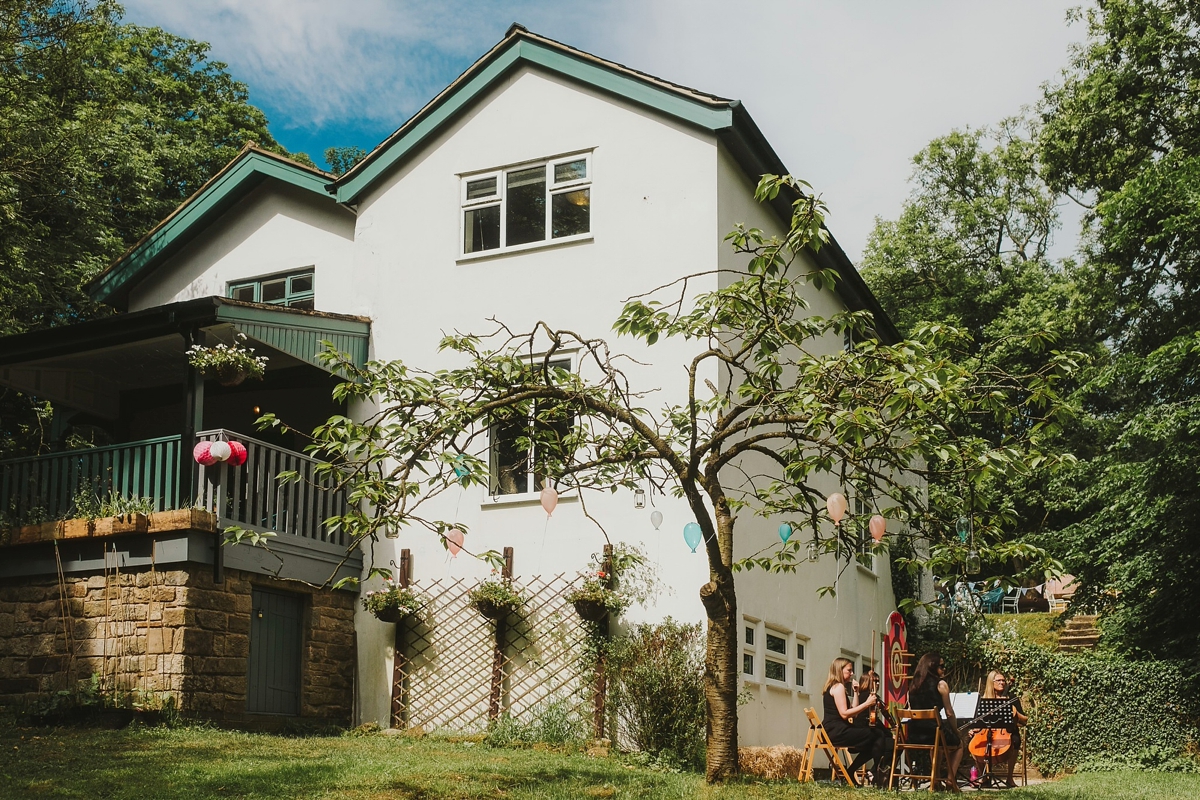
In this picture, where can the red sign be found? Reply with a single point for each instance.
(896, 674)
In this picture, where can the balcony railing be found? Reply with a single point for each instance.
(43, 488)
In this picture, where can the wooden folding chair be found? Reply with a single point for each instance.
(936, 750)
(818, 739)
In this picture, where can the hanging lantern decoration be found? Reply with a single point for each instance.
(814, 551)
(836, 505)
(460, 470)
(454, 541)
(878, 526)
(656, 518)
(785, 532)
(202, 452)
(692, 534)
(549, 500)
(964, 528)
(237, 454)
(973, 562)
(220, 451)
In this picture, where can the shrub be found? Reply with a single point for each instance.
(1092, 708)
(656, 691)
(961, 638)
(555, 723)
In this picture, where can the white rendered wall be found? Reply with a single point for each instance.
(275, 228)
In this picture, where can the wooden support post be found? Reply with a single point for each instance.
(399, 662)
(600, 692)
(501, 640)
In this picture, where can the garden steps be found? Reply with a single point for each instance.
(1080, 633)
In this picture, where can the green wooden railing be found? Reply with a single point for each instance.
(41, 488)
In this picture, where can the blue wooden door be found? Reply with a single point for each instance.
(276, 634)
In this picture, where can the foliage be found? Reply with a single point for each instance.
(595, 588)
(1034, 628)
(236, 357)
(498, 593)
(656, 690)
(1090, 707)
(633, 579)
(87, 504)
(961, 638)
(393, 596)
(93, 696)
(342, 159)
(1152, 759)
(555, 723)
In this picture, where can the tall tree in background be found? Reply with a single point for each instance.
(1121, 131)
(104, 129)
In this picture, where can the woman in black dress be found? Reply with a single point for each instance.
(930, 690)
(866, 742)
(997, 686)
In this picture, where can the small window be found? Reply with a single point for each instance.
(776, 644)
(799, 676)
(775, 671)
(521, 448)
(799, 651)
(747, 664)
(294, 290)
(749, 635)
(527, 204)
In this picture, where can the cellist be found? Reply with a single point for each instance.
(997, 687)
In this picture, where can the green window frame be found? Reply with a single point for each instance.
(291, 289)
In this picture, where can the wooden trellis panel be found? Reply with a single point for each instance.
(449, 657)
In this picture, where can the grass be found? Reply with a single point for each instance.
(1033, 628)
(204, 764)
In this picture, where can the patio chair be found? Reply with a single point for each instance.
(818, 739)
(908, 765)
(992, 600)
(1008, 604)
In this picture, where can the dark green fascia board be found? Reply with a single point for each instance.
(237, 181)
(228, 312)
(707, 116)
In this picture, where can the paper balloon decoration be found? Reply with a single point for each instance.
(220, 451)
(878, 527)
(785, 532)
(202, 452)
(836, 505)
(656, 518)
(692, 535)
(460, 470)
(549, 500)
(237, 454)
(454, 541)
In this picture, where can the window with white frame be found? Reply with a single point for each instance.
(291, 289)
(527, 204)
(800, 663)
(750, 636)
(773, 656)
(522, 444)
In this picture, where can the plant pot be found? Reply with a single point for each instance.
(230, 374)
(392, 615)
(591, 610)
(493, 610)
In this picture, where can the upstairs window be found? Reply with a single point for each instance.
(527, 205)
(294, 290)
(522, 447)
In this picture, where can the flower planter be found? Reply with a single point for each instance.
(493, 610)
(230, 374)
(591, 610)
(392, 615)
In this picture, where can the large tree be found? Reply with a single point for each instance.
(773, 413)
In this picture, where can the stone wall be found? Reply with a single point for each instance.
(173, 632)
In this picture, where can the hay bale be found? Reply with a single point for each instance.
(773, 763)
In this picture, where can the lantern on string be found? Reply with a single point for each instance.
(813, 551)
(836, 505)
(878, 526)
(692, 534)
(785, 532)
(202, 453)
(656, 518)
(237, 454)
(973, 562)
(220, 451)
(454, 541)
(964, 528)
(549, 500)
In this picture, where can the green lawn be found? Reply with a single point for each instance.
(198, 764)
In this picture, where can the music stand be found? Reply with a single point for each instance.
(991, 712)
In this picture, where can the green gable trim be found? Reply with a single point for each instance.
(300, 336)
(237, 181)
(710, 117)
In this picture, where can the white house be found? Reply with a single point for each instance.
(543, 184)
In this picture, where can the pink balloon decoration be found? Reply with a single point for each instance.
(878, 527)
(202, 452)
(549, 500)
(237, 454)
(454, 541)
(220, 451)
(836, 505)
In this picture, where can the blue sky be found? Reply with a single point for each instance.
(846, 92)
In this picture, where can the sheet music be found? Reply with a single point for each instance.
(963, 704)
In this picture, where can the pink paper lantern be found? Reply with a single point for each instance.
(454, 541)
(202, 452)
(878, 527)
(836, 505)
(220, 450)
(237, 454)
(549, 500)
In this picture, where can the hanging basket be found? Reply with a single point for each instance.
(493, 610)
(591, 610)
(230, 374)
(390, 614)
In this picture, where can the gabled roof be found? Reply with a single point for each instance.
(238, 178)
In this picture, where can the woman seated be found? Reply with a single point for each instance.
(997, 687)
(868, 743)
(930, 690)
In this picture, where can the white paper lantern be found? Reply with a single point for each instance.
(220, 451)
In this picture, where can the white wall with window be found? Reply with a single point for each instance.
(527, 205)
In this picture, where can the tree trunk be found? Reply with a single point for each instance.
(721, 674)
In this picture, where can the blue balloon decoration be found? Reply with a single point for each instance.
(785, 532)
(692, 534)
(460, 470)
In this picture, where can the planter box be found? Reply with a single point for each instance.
(129, 523)
(76, 528)
(184, 519)
(32, 534)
